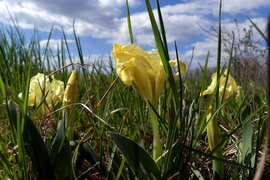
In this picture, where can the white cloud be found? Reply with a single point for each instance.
(180, 27)
(239, 6)
(60, 13)
(191, 7)
(200, 52)
(204, 7)
(104, 19)
(100, 18)
(54, 44)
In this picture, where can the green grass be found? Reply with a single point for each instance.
(113, 137)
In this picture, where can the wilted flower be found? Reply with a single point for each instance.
(41, 86)
(71, 91)
(231, 86)
(143, 70)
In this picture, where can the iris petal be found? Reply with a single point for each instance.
(231, 86)
(141, 69)
(40, 85)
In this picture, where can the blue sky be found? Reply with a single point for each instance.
(99, 23)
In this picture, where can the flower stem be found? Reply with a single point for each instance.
(214, 141)
(157, 145)
(71, 123)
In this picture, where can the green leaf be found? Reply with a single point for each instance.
(247, 143)
(245, 147)
(34, 145)
(61, 157)
(40, 154)
(140, 161)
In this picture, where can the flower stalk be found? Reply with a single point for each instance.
(157, 144)
(213, 136)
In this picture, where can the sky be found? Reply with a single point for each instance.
(99, 23)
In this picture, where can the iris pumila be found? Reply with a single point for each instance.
(41, 86)
(145, 72)
(212, 129)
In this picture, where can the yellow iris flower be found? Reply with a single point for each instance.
(231, 86)
(212, 130)
(143, 70)
(40, 85)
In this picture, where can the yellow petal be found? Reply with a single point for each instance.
(183, 67)
(57, 89)
(71, 91)
(36, 89)
(141, 69)
(40, 86)
(211, 88)
(231, 86)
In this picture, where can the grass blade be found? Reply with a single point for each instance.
(258, 30)
(162, 28)
(129, 23)
(218, 54)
